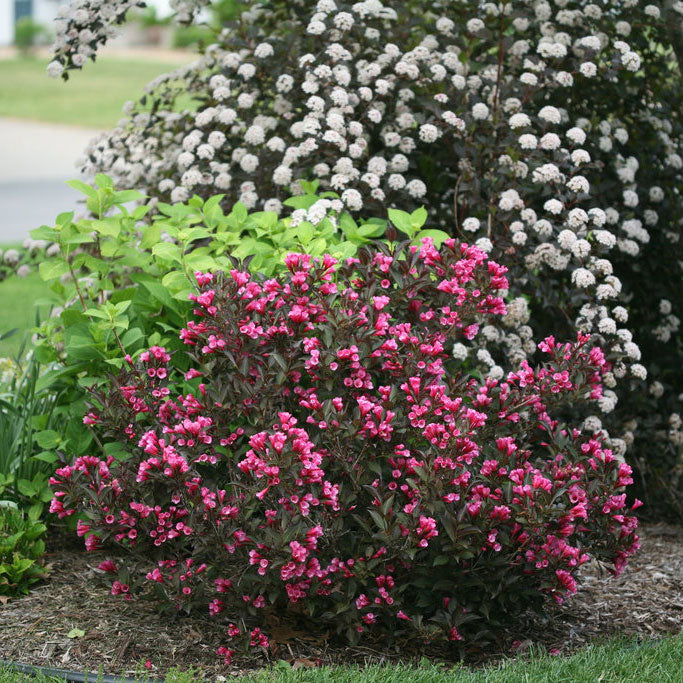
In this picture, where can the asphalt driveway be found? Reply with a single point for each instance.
(36, 160)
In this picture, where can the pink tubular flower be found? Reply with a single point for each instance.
(426, 530)
(362, 601)
(454, 634)
(258, 639)
(226, 653)
(92, 542)
(203, 278)
(108, 566)
(118, 588)
(567, 580)
(380, 302)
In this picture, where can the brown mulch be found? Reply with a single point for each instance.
(116, 636)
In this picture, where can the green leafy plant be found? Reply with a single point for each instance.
(149, 18)
(192, 36)
(21, 546)
(27, 405)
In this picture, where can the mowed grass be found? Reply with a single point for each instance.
(616, 662)
(18, 297)
(92, 97)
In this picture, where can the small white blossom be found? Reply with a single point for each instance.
(480, 111)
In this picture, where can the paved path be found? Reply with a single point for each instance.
(36, 160)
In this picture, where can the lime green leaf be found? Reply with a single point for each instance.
(46, 456)
(109, 227)
(198, 261)
(125, 196)
(238, 214)
(82, 187)
(34, 514)
(50, 270)
(151, 236)
(419, 217)
(44, 232)
(401, 220)
(64, 218)
(122, 306)
(306, 231)
(104, 181)
(371, 230)
(437, 235)
(132, 337)
(26, 488)
(167, 250)
(95, 313)
(175, 280)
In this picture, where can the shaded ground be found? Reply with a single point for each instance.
(645, 602)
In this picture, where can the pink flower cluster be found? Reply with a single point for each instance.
(338, 460)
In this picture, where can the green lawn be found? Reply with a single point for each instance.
(617, 662)
(92, 97)
(18, 310)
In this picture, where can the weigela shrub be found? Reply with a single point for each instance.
(331, 460)
(546, 131)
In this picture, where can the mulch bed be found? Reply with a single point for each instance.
(645, 602)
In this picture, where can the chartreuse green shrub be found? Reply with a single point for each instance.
(327, 458)
(21, 546)
(119, 281)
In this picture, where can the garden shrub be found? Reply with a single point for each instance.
(21, 547)
(331, 459)
(547, 132)
(28, 34)
(191, 36)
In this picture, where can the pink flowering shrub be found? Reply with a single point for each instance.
(330, 458)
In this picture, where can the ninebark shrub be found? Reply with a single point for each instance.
(548, 132)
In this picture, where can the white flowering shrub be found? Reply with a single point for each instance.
(547, 132)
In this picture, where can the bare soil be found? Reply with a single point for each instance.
(117, 637)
